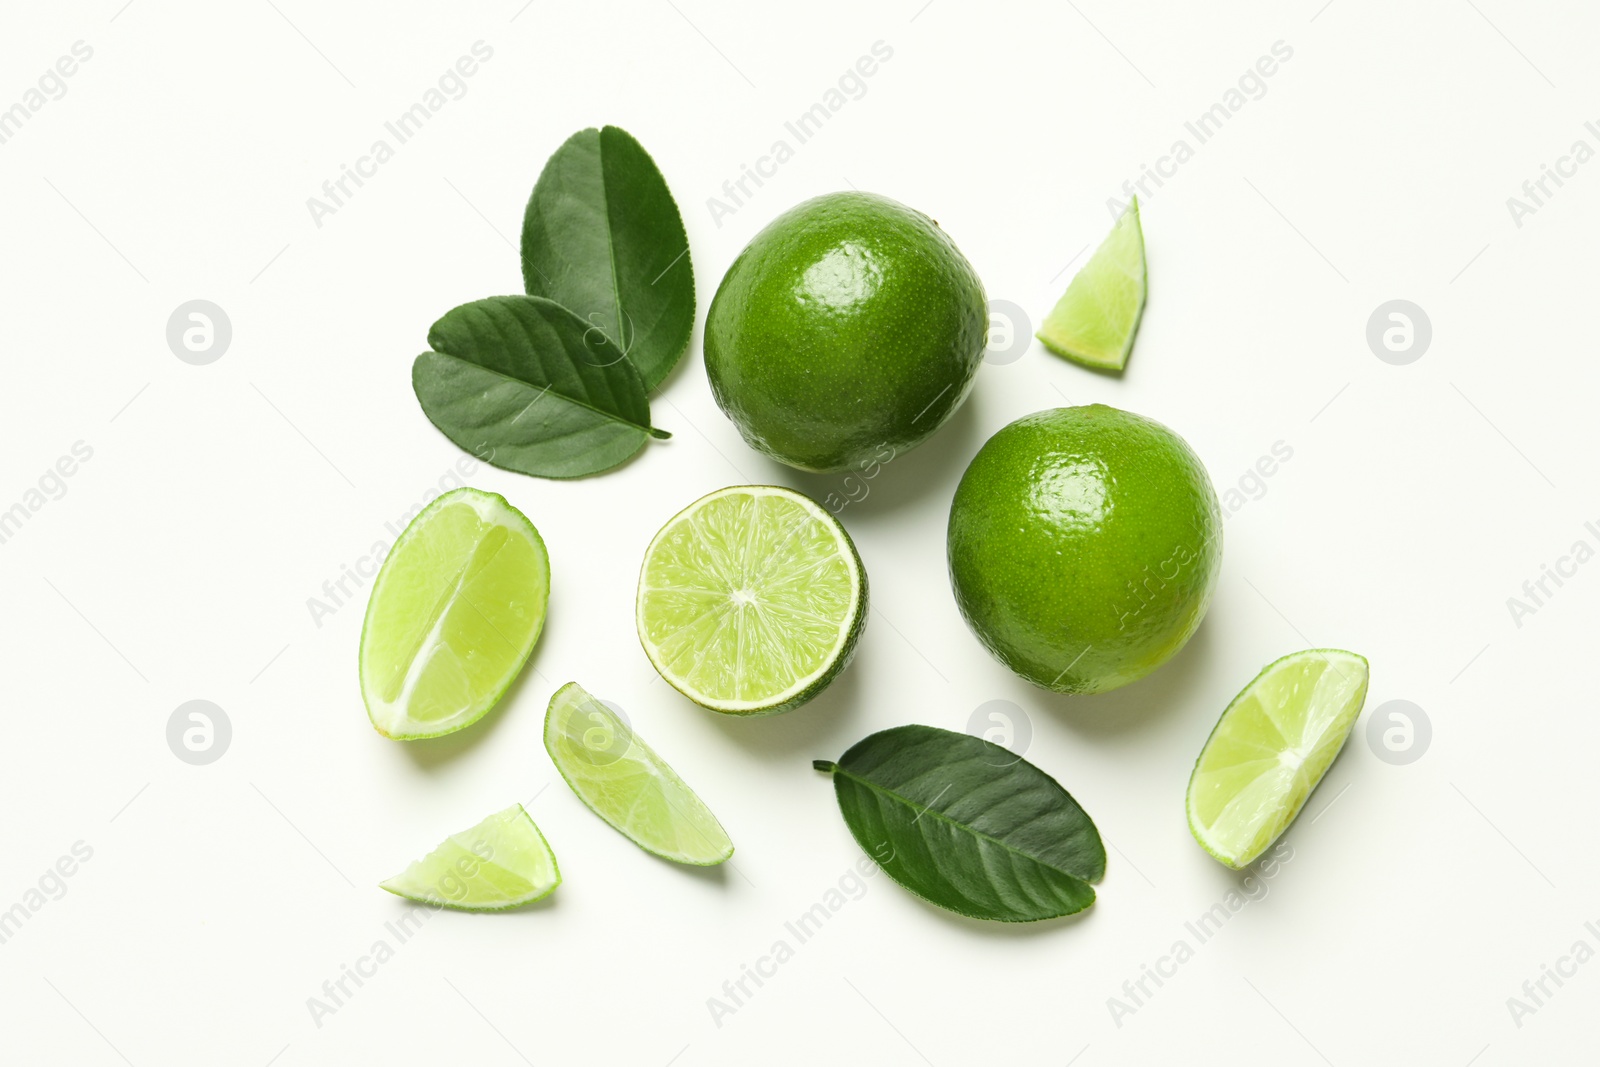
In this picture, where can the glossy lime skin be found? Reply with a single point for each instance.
(849, 326)
(1084, 544)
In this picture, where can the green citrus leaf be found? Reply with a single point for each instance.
(525, 384)
(968, 825)
(603, 236)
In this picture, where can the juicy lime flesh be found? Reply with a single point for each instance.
(1084, 545)
(850, 328)
(454, 613)
(623, 781)
(750, 598)
(502, 862)
(1096, 319)
(1271, 748)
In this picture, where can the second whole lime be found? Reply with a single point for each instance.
(848, 330)
(1084, 544)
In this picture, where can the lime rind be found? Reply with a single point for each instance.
(751, 600)
(1097, 318)
(503, 862)
(1270, 749)
(851, 327)
(622, 780)
(444, 689)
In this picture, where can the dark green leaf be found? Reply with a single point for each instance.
(524, 384)
(967, 825)
(602, 236)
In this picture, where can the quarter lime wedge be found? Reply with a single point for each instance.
(454, 613)
(751, 600)
(503, 862)
(1270, 749)
(625, 783)
(1096, 319)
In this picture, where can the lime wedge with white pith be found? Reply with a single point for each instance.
(454, 613)
(1270, 749)
(625, 783)
(1096, 319)
(503, 862)
(751, 600)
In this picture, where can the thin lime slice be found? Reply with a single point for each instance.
(1270, 749)
(751, 600)
(1096, 319)
(503, 862)
(454, 613)
(625, 783)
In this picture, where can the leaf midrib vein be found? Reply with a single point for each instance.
(941, 816)
(550, 388)
(611, 246)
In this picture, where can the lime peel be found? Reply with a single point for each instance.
(1084, 545)
(849, 329)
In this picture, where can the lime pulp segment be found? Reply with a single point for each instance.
(503, 862)
(751, 600)
(624, 782)
(454, 613)
(1097, 318)
(1270, 749)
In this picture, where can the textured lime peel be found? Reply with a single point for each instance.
(751, 600)
(1097, 318)
(1270, 749)
(454, 613)
(1084, 545)
(503, 862)
(624, 782)
(849, 329)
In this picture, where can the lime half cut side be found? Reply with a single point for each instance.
(1270, 749)
(503, 862)
(1097, 318)
(454, 613)
(624, 782)
(751, 600)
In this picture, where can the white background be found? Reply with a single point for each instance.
(219, 498)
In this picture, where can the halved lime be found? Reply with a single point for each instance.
(1096, 319)
(1270, 749)
(751, 600)
(503, 862)
(454, 613)
(625, 783)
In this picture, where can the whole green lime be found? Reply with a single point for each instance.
(848, 329)
(1084, 544)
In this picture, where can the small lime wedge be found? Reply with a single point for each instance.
(503, 862)
(751, 600)
(1270, 749)
(624, 782)
(454, 613)
(1096, 319)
